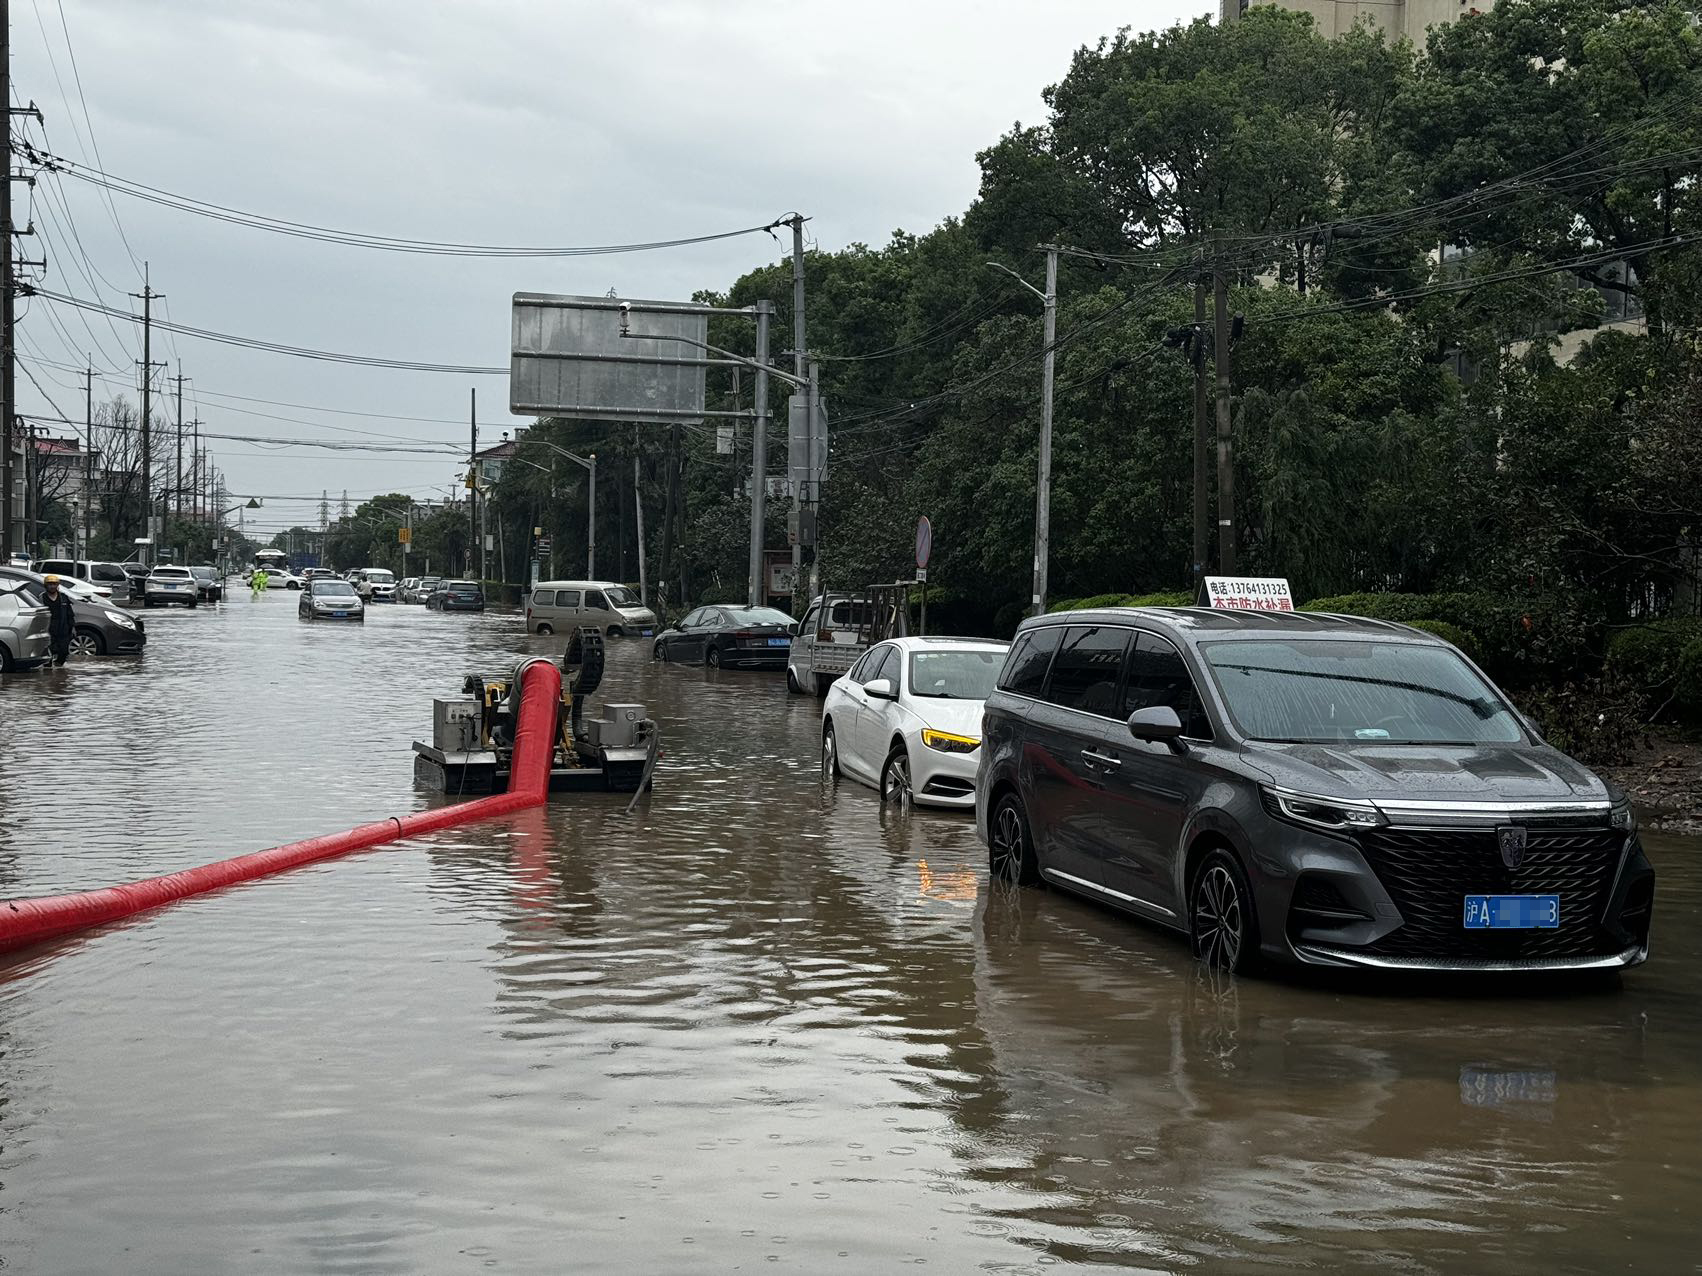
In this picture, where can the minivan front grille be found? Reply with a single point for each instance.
(1429, 871)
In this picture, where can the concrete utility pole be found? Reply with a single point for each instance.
(1043, 483)
(759, 454)
(807, 499)
(638, 512)
(88, 457)
(1202, 437)
(473, 481)
(8, 343)
(1225, 445)
(147, 294)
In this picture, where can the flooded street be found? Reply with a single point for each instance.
(755, 1022)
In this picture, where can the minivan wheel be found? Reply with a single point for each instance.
(615, 631)
(545, 629)
(1222, 924)
(1010, 852)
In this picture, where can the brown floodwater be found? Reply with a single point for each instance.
(756, 1022)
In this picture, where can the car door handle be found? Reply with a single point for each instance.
(1100, 760)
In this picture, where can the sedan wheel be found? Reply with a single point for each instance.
(1220, 907)
(1010, 854)
(829, 755)
(712, 657)
(85, 644)
(895, 778)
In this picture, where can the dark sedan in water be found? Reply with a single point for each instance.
(457, 595)
(729, 634)
(100, 628)
(1313, 789)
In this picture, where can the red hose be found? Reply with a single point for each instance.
(28, 921)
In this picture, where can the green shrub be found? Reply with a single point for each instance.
(1167, 598)
(1591, 720)
(1450, 633)
(1519, 640)
(1646, 659)
(1689, 691)
(1164, 598)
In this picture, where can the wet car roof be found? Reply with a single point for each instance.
(1211, 622)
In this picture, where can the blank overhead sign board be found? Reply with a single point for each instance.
(568, 358)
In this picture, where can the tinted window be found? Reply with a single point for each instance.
(865, 662)
(1025, 671)
(691, 618)
(714, 618)
(567, 598)
(808, 626)
(1086, 668)
(595, 600)
(883, 663)
(108, 572)
(543, 598)
(1159, 676)
(1324, 690)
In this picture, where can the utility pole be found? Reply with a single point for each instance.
(591, 523)
(473, 481)
(1202, 437)
(638, 512)
(1225, 445)
(195, 503)
(147, 294)
(89, 457)
(807, 498)
(8, 285)
(759, 454)
(1043, 496)
(177, 487)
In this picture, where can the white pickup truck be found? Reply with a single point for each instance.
(835, 630)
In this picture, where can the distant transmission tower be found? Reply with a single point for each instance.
(343, 510)
(324, 510)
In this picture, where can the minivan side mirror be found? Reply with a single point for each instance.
(881, 689)
(1158, 724)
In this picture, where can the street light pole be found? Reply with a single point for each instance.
(1043, 481)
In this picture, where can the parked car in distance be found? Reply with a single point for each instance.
(311, 574)
(421, 589)
(729, 635)
(906, 719)
(405, 588)
(835, 631)
(457, 595)
(209, 587)
(561, 606)
(137, 575)
(166, 585)
(1306, 788)
(99, 628)
(331, 599)
(23, 627)
(108, 580)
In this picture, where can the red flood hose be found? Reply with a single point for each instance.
(28, 921)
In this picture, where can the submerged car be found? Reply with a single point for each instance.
(330, 599)
(23, 627)
(99, 628)
(168, 585)
(907, 718)
(1306, 788)
(728, 634)
(209, 585)
(457, 595)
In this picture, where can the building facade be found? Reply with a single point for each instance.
(1409, 18)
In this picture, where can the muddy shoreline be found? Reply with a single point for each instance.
(1664, 780)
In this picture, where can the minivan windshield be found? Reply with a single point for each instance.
(954, 675)
(1326, 691)
(621, 596)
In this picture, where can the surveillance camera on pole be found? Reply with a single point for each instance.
(626, 318)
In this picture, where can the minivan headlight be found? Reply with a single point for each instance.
(1333, 813)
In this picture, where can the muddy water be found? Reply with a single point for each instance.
(755, 1023)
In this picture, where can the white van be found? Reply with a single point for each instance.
(561, 606)
(106, 579)
(376, 584)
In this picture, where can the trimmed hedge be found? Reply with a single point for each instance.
(1518, 640)
(1167, 598)
(1450, 633)
(1648, 658)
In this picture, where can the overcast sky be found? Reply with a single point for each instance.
(490, 121)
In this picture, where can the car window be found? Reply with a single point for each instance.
(1025, 670)
(595, 600)
(954, 675)
(865, 662)
(885, 666)
(567, 598)
(1159, 676)
(715, 618)
(758, 616)
(691, 618)
(107, 572)
(807, 626)
(543, 598)
(1086, 669)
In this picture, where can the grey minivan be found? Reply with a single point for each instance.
(1307, 788)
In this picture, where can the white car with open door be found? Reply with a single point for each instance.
(906, 719)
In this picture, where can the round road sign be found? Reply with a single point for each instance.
(924, 540)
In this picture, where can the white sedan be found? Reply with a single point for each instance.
(906, 719)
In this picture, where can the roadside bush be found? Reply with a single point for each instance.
(1690, 682)
(1593, 720)
(1450, 633)
(1519, 640)
(1648, 660)
(1165, 598)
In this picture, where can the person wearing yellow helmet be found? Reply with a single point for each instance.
(61, 623)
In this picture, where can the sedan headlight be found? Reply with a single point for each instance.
(1621, 817)
(946, 742)
(1333, 813)
(119, 618)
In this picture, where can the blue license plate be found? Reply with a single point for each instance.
(1512, 912)
(338, 615)
(646, 633)
(779, 642)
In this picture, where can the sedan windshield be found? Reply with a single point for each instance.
(1324, 691)
(332, 589)
(954, 675)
